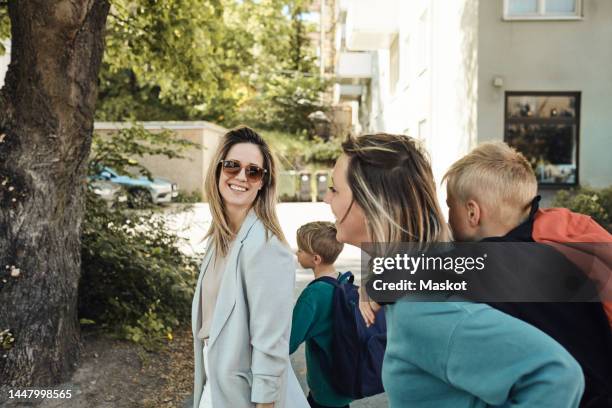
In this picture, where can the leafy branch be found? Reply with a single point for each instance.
(121, 150)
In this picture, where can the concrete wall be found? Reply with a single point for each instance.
(189, 173)
(551, 56)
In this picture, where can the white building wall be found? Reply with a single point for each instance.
(435, 99)
(551, 56)
(454, 89)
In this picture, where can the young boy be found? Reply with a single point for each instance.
(318, 249)
(491, 195)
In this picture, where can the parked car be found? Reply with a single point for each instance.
(141, 191)
(110, 192)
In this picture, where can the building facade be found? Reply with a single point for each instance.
(533, 73)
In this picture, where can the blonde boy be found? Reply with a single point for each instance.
(489, 192)
(312, 321)
(318, 248)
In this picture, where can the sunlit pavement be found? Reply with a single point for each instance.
(192, 224)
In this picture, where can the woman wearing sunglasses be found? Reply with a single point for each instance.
(241, 312)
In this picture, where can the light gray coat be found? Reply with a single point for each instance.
(248, 347)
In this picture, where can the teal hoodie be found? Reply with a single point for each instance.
(461, 354)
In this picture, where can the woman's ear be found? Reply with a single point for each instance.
(473, 213)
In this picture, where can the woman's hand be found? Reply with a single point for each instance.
(367, 307)
(265, 405)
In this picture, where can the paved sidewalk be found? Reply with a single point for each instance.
(193, 223)
(192, 226)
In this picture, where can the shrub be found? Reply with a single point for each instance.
(324, 152)
(589, 201)
(135, 282)
(296, 151)
(191, 197)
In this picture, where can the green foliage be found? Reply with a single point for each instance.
(7, 340)
(284, 84)
(191, 197)
(177, 54)
(225, 61)
(122, 98)
(596, 203)
(297, 151)
(605, 198)
(121, 150)
(5, 26)
(284, 102)
(288, 148)
(135, 281)
(325, 152)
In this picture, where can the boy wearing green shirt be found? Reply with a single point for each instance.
(312, 315)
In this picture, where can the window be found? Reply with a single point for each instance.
(542, 9)
(394, 64)
(544, 126)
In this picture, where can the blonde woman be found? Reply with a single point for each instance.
(241, 313)
(439, 354)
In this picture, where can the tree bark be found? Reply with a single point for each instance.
(46, 124)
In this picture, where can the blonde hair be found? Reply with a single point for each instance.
(498, 177)
(319, 238)
(265, 202)
(391, 179)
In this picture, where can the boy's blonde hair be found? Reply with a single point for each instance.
(498, 177)
(319, 238)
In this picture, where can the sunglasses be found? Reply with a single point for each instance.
(253, 173)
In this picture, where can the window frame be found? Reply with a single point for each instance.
(541, 14)
(507, 121)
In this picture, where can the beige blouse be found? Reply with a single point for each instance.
(211, 283)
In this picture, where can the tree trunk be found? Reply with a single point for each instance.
(46, 124)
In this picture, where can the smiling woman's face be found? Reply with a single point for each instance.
(350, 218)
(237, 191)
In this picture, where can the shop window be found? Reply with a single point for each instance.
(544, 126)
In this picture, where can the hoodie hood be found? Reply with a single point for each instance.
(584, 242)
